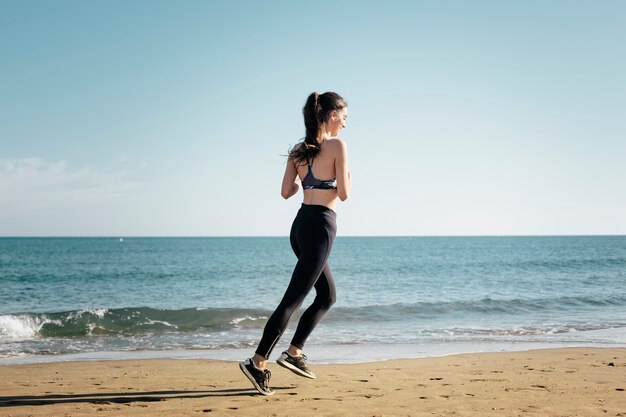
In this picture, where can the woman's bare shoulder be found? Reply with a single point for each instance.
(337, 145)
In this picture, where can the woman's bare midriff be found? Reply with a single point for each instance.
(327, 198)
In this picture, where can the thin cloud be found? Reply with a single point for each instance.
(35, 182)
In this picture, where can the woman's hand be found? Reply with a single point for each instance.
(291, 182)
(344, 177)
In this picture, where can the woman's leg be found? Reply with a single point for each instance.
(324, 299)
(313, 241)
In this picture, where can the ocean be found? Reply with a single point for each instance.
(107, 298)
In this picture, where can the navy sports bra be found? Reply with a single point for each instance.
(310, 181)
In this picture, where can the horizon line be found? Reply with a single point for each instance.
(286, 236)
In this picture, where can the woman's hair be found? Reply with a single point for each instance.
(315, 111)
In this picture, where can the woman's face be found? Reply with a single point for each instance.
(337, 121)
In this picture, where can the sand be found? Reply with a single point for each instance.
(551, 382)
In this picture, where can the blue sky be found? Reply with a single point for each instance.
(157, 118)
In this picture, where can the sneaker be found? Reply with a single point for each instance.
(296, 365)
(259, 378)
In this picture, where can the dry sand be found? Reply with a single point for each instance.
(552, 382)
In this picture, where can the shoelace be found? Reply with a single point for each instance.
(266, 378)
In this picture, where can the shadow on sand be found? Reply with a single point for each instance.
(124, 398)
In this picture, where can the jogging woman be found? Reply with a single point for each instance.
(320, 164)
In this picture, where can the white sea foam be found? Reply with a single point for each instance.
(90, 327)
(165, 323)
(20, 326)
(240, 319)
(98, 312)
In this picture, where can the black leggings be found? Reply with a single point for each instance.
(312, 235)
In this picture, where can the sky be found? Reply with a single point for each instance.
(164, 118)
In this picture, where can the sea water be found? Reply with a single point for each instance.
(72, 298)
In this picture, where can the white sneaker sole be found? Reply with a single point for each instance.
(282, 362)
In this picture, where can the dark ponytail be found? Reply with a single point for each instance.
(315, 112)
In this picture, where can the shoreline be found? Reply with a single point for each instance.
(323, 354)
(545, 382)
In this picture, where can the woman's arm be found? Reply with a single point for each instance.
(291, 182)
(344, 178)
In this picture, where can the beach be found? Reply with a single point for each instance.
(549, 382)
(176, 196)
(458, 326)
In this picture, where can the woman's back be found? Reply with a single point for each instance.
(323, 168)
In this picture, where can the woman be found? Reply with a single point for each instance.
(312, 233)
